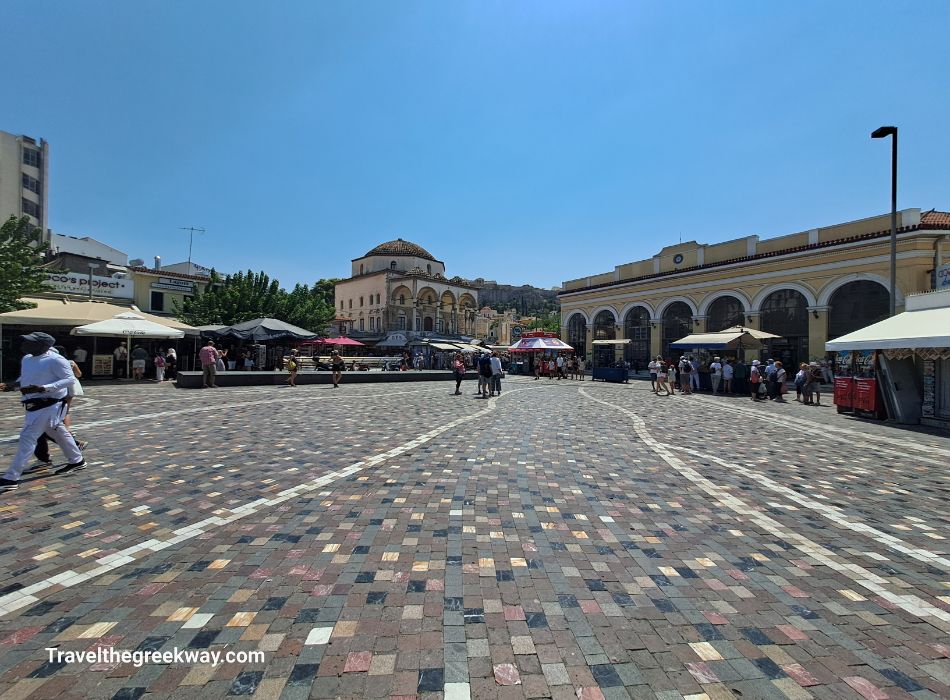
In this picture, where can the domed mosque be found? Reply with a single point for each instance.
(398, 291)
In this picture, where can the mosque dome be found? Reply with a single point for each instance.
(400, 247)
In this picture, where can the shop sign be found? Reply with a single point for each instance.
(516, 331)
(183, 286)
(77, 283)
(943, 276)
(102, 365)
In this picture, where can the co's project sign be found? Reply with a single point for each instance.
(75, 283)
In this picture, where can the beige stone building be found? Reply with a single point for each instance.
(24, 178)
(400, 286)
(495, 328)
(808, 287)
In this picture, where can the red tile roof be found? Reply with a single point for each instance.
(935, 218)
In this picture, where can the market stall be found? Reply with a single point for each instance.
(128, 325)
(535, 345)
(614, 372)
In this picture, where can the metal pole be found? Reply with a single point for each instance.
(90, 283)
(894, 222)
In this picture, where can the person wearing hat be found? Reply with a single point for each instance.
(44, 382)
(715, 369)
(755, 379)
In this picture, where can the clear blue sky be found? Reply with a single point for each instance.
(528, 142)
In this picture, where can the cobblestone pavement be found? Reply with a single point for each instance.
(564, 540)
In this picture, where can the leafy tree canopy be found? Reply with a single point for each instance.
(21, 246)
(247, 295)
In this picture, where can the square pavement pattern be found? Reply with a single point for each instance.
(563, 540)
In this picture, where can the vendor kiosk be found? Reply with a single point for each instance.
(856, 384)
(612, 372)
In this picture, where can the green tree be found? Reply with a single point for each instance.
(247, 295)
(20, 272)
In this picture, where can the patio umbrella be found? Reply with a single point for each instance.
(334, 341)
(127, 325)
(260, 329)
(534, 344)
(722, 340)
(758, 335)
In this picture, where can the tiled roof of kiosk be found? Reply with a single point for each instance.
(930, 220)
(401, 247)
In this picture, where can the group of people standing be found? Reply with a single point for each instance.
(559, 367)
(164, 361)
(766, 382)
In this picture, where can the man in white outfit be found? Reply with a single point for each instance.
(716, 377)
(694, 375)
(45, 378)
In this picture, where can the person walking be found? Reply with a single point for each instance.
(715, 374)
(727, 373)
(159, 362)
(496, 373)
(652, 368)
(560, 367)
(337, 366)
(139, 356)
(171, 364)
(458, 371)
(800, 379)
(755, 380)
(661, 377)
(685, 372)
(780, 378)
(694, 374)
(44, 382)
(208, 358)
(120, 355)
(672, 376)
(80, 354)
(484, 373)
(41, 451)
(293, 366)
(811, 392)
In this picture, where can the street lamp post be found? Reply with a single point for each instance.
(92, 266)
(881, 133)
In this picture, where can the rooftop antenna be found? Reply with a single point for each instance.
(191, 238)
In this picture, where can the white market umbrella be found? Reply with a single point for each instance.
(128, 325)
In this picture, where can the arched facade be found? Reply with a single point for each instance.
(855, 305)
(604, 328)
(784, 312)
(677, 323)
(637, 328)
(577, 333)
(724, 312)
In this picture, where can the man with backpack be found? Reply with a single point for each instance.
(755, 379)
(686, 369)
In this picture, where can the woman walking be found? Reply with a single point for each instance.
(160, 364)
(661, 376)
(293, 365)
(458, 370)
(672, 376)
(336, 366)
(171, 363)
(780, 378)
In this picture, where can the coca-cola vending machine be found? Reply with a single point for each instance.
(857, 388)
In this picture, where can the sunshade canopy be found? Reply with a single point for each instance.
(760, 335)
(927, 328)
(540, 345)
(129, 325)
(624, 341)
(334, 341)
(718, 341)
(265, 329)
(58, 312)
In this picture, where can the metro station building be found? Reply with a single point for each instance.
(807, 287)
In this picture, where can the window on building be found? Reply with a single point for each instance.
(439, 326)
(402, 299)
(428, 269)
(725, 312)
(377, 300)
(31, 183)
(361, 325)
(31, 208)
(636, 327)
(351, 303)
(341, 304)
(361, 301)
(361, 269)
(158, 301)
(785, 313)
(402, 322)
(604, 330)
(32, 157)
(577, 333)
(418, 323)
(392, 265)
(677, 323)
(856, 305)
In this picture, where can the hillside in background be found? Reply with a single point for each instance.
(526, 300)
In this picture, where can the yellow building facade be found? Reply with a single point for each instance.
(807, 287)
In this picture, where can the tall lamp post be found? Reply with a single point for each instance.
(881, 133)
